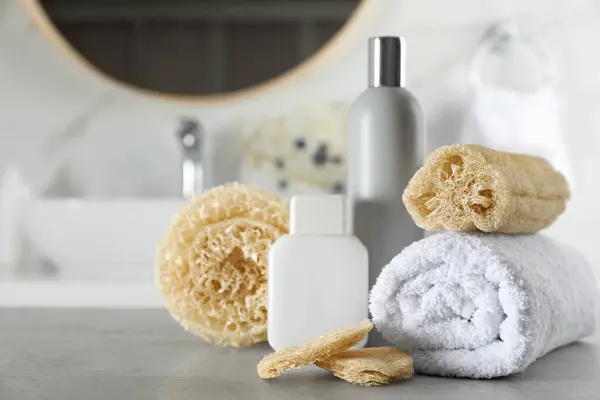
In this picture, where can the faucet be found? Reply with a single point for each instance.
(191, 136)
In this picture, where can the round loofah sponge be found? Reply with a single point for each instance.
(212, 264)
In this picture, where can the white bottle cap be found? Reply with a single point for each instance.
(317, 215)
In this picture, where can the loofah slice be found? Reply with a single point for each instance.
(370, 367)
(470, 187)
(318, 349)
(212, 264)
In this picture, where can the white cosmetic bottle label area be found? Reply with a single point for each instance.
(318, 276)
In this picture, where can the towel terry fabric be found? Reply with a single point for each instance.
(482, 306)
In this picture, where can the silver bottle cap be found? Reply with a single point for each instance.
(386, 58)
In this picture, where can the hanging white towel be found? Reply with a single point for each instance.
(521, 117)
(517, 121)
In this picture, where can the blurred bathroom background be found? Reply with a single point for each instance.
(114, 112)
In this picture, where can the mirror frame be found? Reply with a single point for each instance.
(38, 16)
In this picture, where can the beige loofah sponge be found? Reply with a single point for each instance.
(370, 367)
(469, 187)
(318, 349)
(212, 264)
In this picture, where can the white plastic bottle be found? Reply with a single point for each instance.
(318, 277)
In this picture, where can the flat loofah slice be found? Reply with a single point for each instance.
(471, 187)
(212, 264)
(318, 349)
(370, 367)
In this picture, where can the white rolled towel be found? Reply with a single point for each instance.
(482, 306)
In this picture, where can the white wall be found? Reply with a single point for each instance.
(117, 142)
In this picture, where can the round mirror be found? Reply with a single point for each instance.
(197, 47)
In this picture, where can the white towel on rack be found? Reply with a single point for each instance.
(481, 306)
(520, 122)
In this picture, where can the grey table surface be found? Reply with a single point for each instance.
(143, 354)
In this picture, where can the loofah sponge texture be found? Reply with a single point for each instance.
(319, 349)
(370, 367)
(212, 264)
(471, 187)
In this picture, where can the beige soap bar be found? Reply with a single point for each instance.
(212, 264)
(471, 187)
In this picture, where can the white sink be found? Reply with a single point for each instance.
(94, 240)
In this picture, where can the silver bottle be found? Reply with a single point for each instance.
(385, 141)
